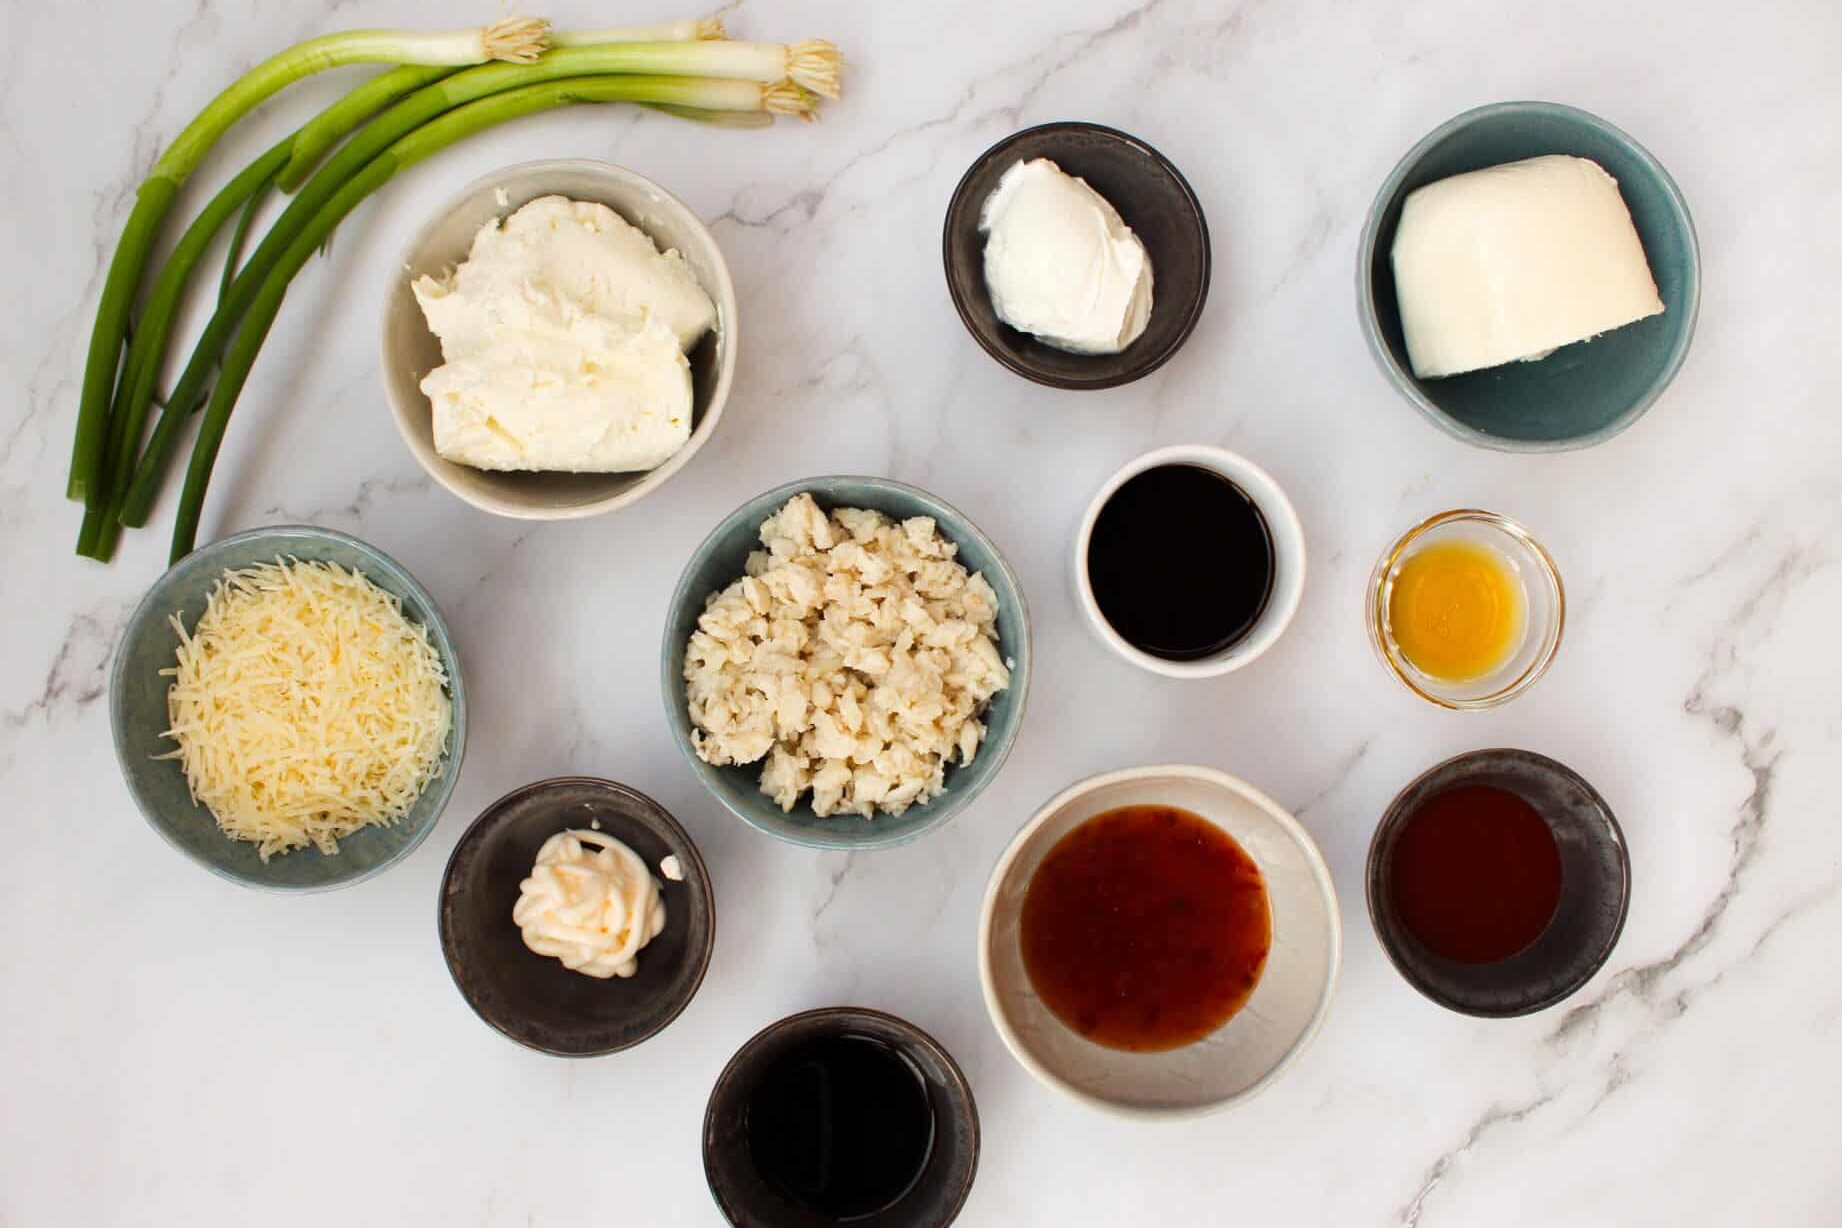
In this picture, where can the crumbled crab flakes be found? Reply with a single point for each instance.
(853, 659)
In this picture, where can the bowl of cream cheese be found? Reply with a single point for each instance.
(1529, 278)
(1077, 256)
(558, 340)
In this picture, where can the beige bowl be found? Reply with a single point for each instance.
(1245, 1054)
(411, 351)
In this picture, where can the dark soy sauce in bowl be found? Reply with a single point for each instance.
(841, 1125)
(1476, 874)
(1181, 562)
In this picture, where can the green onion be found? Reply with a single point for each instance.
(141, 370)
(814, 64)
(517, 39)
(399, 121)
(336, 122)
(690, 29)
(720, 119)
(147, 351)
(240, 356)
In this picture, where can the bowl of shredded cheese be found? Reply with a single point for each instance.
(288, 709)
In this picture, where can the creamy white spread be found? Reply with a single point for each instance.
(591, 903)
(1061, 264)
(1515, 261)
(564, 335)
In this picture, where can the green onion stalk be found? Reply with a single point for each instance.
(682, 59)
(329, 128)
(698, 94)
(147, 349)
(516, 39)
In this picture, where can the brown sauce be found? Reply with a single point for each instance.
(1145, 928)
(1475, 874)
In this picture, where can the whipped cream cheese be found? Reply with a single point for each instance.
(1061, 264)
(1512, 262)
(564, 334)
(591, 903)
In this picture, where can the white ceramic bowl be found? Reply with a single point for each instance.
(1288, 560)
(410, 351)
(1241, 1057)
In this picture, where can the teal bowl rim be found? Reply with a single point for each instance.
(1403, 380)
(951, 803)
(438, 634)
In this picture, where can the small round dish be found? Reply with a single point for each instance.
(1248, 1052)
(1582, 394)
(1595, 889)
(748, 1200)
(1153, 198)
(138, 714)
(718, 562)
(1289, 562)
(410, 351)
(1544, 603)
(533, 999)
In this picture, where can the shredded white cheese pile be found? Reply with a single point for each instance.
(305, 706)
(591, 903)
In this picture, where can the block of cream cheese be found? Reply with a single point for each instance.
(1515, 261)
(1061, 264)
(564, 334)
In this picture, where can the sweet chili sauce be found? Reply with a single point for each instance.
(1145, 928)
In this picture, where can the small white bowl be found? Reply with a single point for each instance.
(1288, 537)
(1244, 1055)
(411, 351)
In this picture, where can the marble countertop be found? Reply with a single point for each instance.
(180, 1050)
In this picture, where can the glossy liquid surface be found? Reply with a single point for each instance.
(842, 1126)
(1181, 562)
(1456, 610)
(1475, 874)
(1145, 928)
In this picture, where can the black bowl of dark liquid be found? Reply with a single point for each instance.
(1498, 882)
(841, 1116)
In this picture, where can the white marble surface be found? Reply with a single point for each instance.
(179, 1050)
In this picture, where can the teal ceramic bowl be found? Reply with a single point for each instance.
(1582, 394)
(718, 563)
(137, 713)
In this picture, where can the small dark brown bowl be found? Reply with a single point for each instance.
(532, 998)
(1154, 199)
(1595, 889)
(749, 1201)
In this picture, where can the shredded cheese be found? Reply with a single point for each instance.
(305, 706)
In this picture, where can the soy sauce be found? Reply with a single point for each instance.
(1145, 928)
(841, 1126)
(1181, 562)
(1475, 874)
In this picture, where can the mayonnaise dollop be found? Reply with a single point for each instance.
(1061, 264)
(591, 903)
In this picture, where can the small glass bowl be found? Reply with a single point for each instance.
(1544, 606)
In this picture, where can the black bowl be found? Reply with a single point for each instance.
(749, 1201)
(534, 999)
(1595, 889)
(1153, 198)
